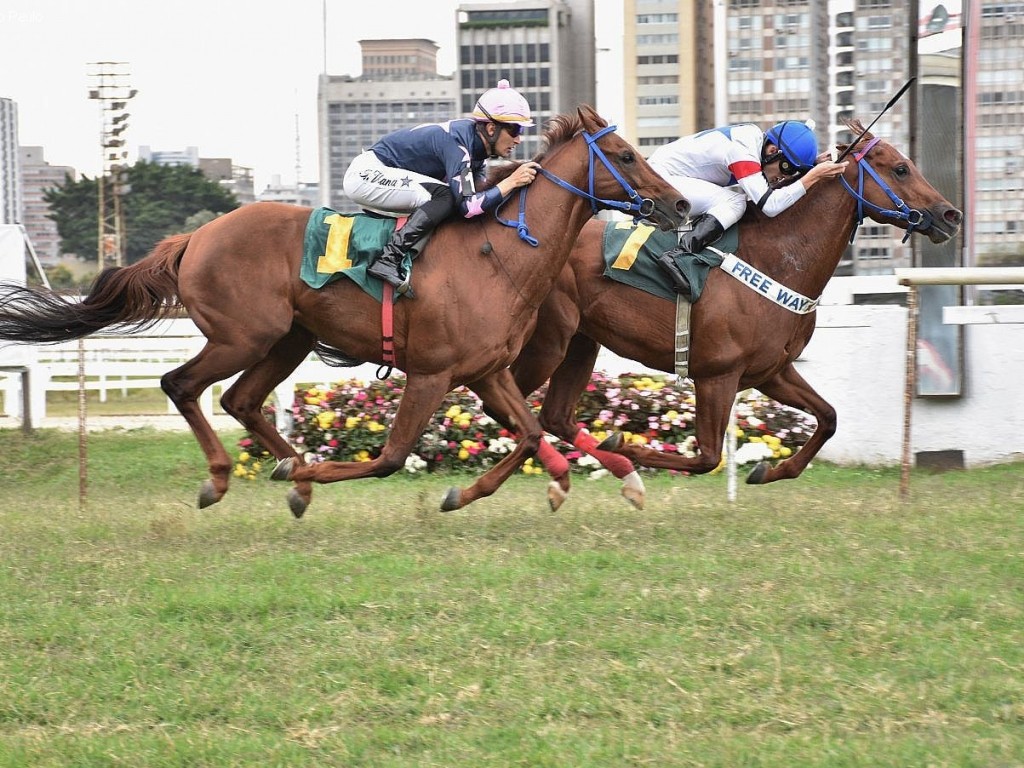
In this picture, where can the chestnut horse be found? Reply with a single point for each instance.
(478, 286)
(738, 338)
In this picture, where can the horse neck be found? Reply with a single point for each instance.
(808, 241)
(555, 217)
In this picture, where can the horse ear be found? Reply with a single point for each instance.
(589, 117)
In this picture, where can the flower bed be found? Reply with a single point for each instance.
(349, 421)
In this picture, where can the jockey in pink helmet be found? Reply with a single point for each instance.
(431, 171)
(722, 169)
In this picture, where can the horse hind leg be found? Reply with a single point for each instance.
(789, 388)
(244, 401)
(183, 385)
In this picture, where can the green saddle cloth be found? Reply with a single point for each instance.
(339, 245)
(631, 254)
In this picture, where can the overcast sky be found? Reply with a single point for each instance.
(232, 77)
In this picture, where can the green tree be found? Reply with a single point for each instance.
(159, 202)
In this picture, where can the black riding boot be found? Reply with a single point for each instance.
(388, 266)
(706, 230)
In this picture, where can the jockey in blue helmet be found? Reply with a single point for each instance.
(721, 170)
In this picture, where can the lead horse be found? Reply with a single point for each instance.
(738, 338)
(478, 286)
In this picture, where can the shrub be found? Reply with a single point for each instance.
(349, 421)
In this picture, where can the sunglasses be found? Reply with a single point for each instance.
(514, 129)
(786, 168)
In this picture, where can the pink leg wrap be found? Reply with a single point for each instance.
(619, 466)
(555, 463)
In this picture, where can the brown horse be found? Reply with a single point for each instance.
(478, 286)
(739, 339)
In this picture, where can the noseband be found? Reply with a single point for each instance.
(640, 207)
(916, 219)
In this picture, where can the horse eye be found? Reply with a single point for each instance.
(901, 171)
(628, 157)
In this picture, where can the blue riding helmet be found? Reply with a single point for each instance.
(796, 143)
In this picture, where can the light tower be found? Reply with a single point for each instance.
(109, 86)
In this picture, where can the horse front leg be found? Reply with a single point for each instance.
(789, 388)
(715, 399)
(245, 398)
(500, 395)
(558, 416)
(422, 397)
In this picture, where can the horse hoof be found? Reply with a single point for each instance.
(556, 495)
(296, 503)
(450, 502)
(208, 495)
(634, 496)
(757, 474)
(611, 443)
(633, 489)
(283, 470)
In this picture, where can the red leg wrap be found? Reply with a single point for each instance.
(555, 463)
(618, 465)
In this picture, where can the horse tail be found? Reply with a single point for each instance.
(133, 298)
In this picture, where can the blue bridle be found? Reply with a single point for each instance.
(640, 207)
(915, 219)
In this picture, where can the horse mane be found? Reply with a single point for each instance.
(855, 126)
(559, 129)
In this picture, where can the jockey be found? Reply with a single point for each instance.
(720, 169)
(431, 170)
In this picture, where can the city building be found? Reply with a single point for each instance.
(38, 176)
(307, 194)
(399, 86)
(236, 179)
(544, 48)
(11, 206)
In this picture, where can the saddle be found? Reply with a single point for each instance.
(631, 253)
(337, 245)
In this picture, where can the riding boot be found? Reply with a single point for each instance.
(706, 230)
(388, 265)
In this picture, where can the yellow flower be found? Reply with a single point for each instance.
(784, 452)
(671, 416)
(463, 454)
(240, 470)
(363, 455)
(638, 439)
(375, 426)
(351, 422)
(325, 419)
(596, 423)
(452, 412)
(243, 456)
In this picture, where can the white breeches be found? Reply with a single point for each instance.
(726, 204)
(382, 189)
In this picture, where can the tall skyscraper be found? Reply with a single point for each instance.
(37, 177)
(544, 48)
(11, 206)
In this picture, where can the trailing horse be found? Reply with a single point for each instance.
(478, 286)
(739, 338)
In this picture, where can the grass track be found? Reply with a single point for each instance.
(812, 623)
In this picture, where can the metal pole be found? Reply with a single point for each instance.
(83, 433)
(908, 390)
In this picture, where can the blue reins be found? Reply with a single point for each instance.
(640, 207)
(915, 219)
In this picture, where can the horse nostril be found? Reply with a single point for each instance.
(682, 207)
(954, 217)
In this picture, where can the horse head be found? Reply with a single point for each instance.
(899, 195)
(618, 175)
